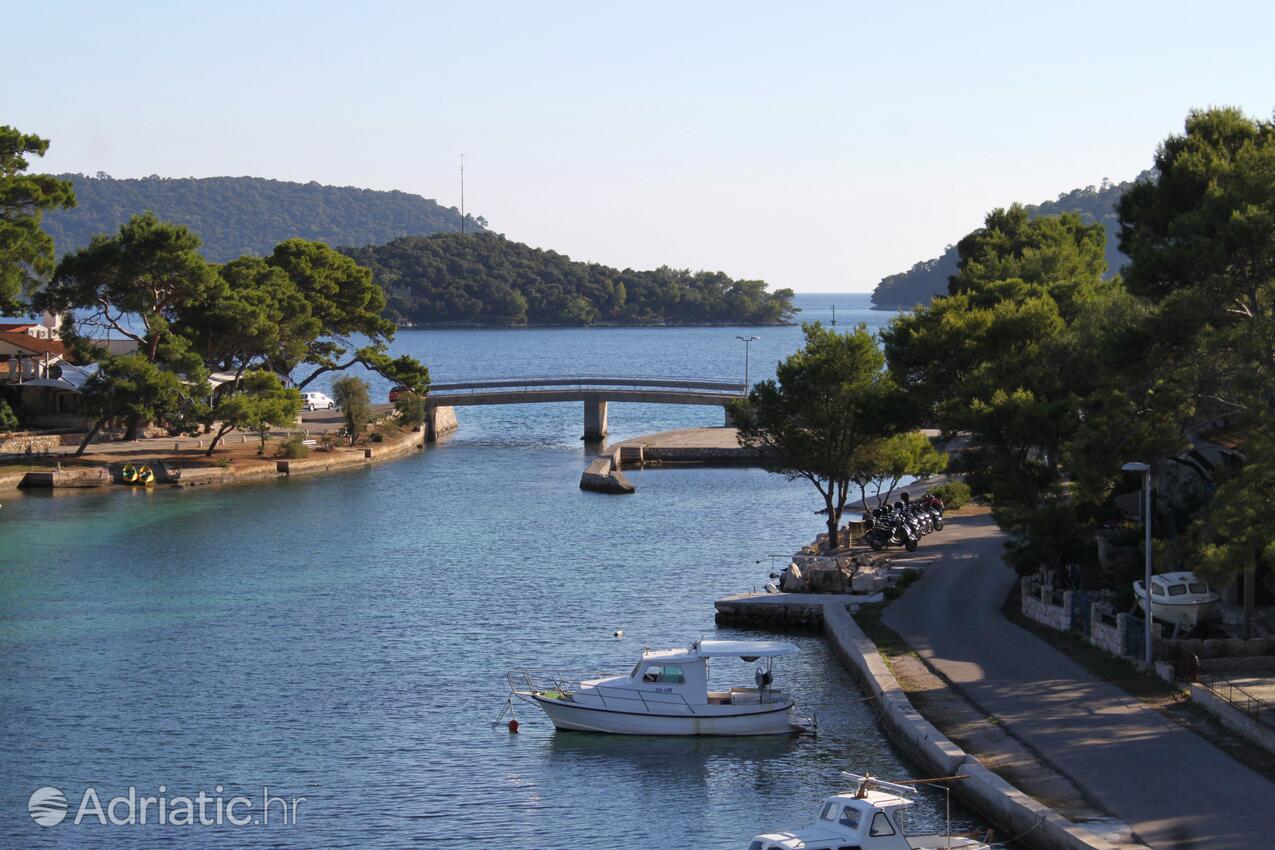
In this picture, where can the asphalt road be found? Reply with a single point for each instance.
(1174, 789)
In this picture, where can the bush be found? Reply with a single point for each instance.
(954, 494)
(411, 409)
(8, 420)
(293, 448)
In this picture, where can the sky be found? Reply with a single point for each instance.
(818, 146)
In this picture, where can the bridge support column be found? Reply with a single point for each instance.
(595, 419)
(439, 421)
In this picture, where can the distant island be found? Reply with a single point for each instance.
(928, 278)
(249, 215)
(484, 279)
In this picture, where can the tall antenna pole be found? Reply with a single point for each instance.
(462, 194)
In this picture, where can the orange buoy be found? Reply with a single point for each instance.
(513, 726)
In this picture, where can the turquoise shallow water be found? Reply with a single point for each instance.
(344, 639)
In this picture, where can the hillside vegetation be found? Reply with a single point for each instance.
(248, 215)
(917, 285)
(485, 279)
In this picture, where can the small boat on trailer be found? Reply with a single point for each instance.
(667, 693)
(865, 818)
(1178, 598)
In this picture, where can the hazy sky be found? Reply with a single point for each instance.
(818, 146)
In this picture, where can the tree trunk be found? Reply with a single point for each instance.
(130, 431)
(88, 438)
(221, 432)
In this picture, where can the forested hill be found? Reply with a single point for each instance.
(928, 278)
(248, 215)
(486, 279)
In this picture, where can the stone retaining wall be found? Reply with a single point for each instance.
(18, 444)
(1035, 824)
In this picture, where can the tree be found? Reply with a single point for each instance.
(351, 395)
(827, 402)
(1201, 239)
(411, 408)
(150, 270)
(882, 464)
(26, 251)
(135, 389)
(260, 403)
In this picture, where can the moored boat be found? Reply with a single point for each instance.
(1179, 598)
(668, 693)
(869, 817)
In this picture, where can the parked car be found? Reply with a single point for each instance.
(394, 393)
(316, 401)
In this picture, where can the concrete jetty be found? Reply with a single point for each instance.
(681, 447)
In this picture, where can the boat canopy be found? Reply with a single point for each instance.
(747, 649)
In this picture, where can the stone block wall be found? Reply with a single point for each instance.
(1038, 604)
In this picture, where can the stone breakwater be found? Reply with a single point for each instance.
(172, 474)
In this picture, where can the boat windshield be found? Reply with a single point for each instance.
(850, 817)
(829, 812)
(1156, 590)
(1199, 587)
(1177, 590)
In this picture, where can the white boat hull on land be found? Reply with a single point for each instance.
(776, 718)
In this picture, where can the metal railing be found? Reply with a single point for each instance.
(588, 382)
(1258, 709)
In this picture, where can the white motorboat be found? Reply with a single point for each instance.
(1178, 598)
(668, 693)
(866, 818)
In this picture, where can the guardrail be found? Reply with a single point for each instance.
(588, 381)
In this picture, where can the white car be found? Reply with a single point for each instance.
(316, 401)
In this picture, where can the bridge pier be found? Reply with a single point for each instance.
(439, 421)
(595, 418)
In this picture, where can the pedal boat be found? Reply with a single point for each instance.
(867, 818)
(667, 693)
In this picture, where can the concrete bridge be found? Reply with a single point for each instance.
(595, 392)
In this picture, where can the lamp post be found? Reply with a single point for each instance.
(747, 341)
(1145, 469)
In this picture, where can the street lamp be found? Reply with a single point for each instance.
(1145, 469)
(746, 340)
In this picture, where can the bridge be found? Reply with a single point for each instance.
(595, 392)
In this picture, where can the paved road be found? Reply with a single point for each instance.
(1173, 788)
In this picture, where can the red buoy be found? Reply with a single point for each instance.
(513, 726)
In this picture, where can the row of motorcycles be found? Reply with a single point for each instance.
(904, 523)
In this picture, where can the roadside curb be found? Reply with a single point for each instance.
(1027, 819)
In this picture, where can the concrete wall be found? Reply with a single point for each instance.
(439, 422)
(1233, 718)
(604, 476)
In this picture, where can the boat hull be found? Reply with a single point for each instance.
(766, 719)
(1185, 614)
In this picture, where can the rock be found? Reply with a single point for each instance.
(866, 583)
(828, 579)
(792, 580)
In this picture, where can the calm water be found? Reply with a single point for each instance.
(344, 638)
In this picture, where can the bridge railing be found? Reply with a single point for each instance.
(586, 382)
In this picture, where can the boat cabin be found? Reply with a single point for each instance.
(1180, 587)
(868, 818)
(684, 673)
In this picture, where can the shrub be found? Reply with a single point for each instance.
(8, 420)
(293, 448)
(222, 463)
(411, 409)
(954, 494)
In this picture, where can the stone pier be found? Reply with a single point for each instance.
(595, 418)
(440, 421)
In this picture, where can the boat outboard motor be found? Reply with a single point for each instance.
(763, 679)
